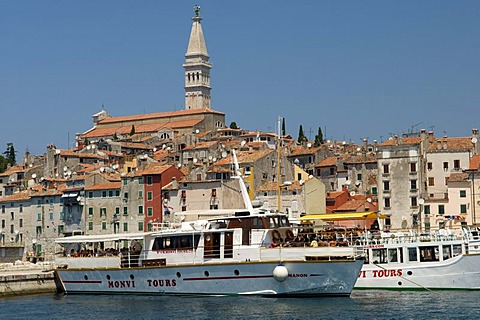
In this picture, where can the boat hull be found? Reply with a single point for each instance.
(305, 278)
(459, 273)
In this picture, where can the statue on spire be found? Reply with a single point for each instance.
(196, 8)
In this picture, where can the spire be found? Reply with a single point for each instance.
(197, 68)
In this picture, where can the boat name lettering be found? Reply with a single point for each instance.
(297, 275)
(173, 251)
(121, 284)
(162, 283)
(375, 246)
(382, 273)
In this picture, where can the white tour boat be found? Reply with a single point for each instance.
(440, 261)
(246, 253)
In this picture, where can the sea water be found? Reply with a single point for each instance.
(369, 304)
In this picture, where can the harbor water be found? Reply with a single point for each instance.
(371, 304)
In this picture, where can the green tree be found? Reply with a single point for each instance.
(319, 137)
(3, 163)
(233, 125)
(284, 132)
(301, 135)
(10, 154)
(132, 132)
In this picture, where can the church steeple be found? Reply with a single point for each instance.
(197, 68)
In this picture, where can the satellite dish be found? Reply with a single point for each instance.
(164, 146)
(210, 158)
(352, 193)
(179, 165)
(359, 149)
(344, 142)
(57, 151)
(79, 198)
(214, 159)
(145, 156)
(309, 145)
(369, 200)
(30, 165)
(42, 178)
(243, 143)
(93, 146)
(224, 154)
(357, 184)
(168, 148)
(56, 175)
(69, 172)
(421, 201)
(347, 182)
(34, 176)
(89, 147)
(65, 168)
(102, 169)
(154, 149)
(328, 141)
(195, 160)
(197, 131)
(474, 140)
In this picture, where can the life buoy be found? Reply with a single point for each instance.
(276, 235)
(289, 235)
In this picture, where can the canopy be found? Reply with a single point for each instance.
(101, 238)
(345, 216)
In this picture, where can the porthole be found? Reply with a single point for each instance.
(400, 283)
(409, 273)
(132, 276)
(206, 273)
(85, 277)
(236, 272)
(108, 277)
(179, 275)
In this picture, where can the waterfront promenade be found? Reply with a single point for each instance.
(23, 278)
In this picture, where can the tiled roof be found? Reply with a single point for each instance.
(458, 177)
(104, 186)
(84, 155)
(159, 115)
(24, 195)
(302, 151)
(154, 168)
(273, 186)
(401, 141)
(334, 194)
(160, 155)
(135, 145)
(201, 145)
(370, 158)
(451, 144)
(327, 162)
(244, 157)
(12, 170)
(474, 163)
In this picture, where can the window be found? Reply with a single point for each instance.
(3, 208)
(386, 185)
(104, 193)
(149, 180)
(441, 209)
(140, 180)
(149, 195)
(413, 201)
(117, 193)
(140, 210)
(125, 226)
(387, 202)
(426, 209)
(90, 225)
(110, 193)
(125, 211)
(125, 195)
(39, 216)
(21, 208)
(374, 191)
(3, 224)
(463, 193)
(431, 181)
(117, 211)
(359, 177)
(429, 166)
(463, 208)
(140, 226)
(446, 180)
(413, 184)
(456, 164)
(140, 194)
(124, 181)
(12, 216)
(150, 211)
(90, 211)
(445, 166)
(149, 226)
(90, 194)
(104, 225)
(386, 168)
(51, 215)
(38, 230)
(103, 212)
(413, 167)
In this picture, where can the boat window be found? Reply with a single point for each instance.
(257, 223)
(457, 250)
(379, 255)
(218, 225)
(428, 254)
(392, 255)
(447, 252)
(176, 242)
(412, 254)
(283, 222)
(272, 222)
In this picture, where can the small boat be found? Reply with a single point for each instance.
(245, 253)
(438, 261)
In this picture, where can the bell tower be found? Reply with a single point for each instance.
(197, 68)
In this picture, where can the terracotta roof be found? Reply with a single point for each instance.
(458, 177)
(201, 145)
(218, 169)
(154, 168)
(370, 158)
(334, 194)
(302, 151)
(84, 155)
(159, 115)
(244, 157)
(135, 145)
(273, 186)
(328, 162)
(24, 195)
(474, 163)
(104, 186)
(160, 155)
(12, 170)
(401, 141)
(451, 144)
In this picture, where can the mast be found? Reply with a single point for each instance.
(243, 188)
(279, 207)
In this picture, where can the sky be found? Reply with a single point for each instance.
(355, 69)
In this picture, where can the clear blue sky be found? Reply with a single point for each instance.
(354, 68)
